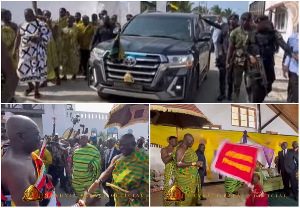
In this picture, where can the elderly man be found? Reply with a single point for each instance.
(86, 166)
(186, 172)
(23, 172)
(130, 171)
(109, 154)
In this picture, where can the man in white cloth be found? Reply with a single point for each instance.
(32, 37)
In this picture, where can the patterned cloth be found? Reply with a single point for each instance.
(188, 180)
(52, 57)
(32, 65)
(132, 172)
(84, 159)
(42, 184)
(70, 51)
(47, 158)
(8, 36)
(231, 185)
(238, 38)
(168, 179)
(61, 23)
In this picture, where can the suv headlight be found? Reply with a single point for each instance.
(181, 61)
(98, 52)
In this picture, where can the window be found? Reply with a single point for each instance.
(212, 127)
(281, 19)
(243, 116)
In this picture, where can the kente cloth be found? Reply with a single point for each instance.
(187, 179)
(60, 24)
(86, 168)
(168, 181)
(70, 51)
(32, 65)
(257, 198)
(41, 188)
(47, 158)
(231, 185)
(132, 172)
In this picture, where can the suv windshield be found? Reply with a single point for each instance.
(168, 26)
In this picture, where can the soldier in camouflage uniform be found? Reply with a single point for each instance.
(260, 47)
(236, 59)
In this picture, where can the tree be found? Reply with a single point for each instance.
(148, 5)
(102, 135)
(183, 6)
(227, 12)
(201, 10)
(216, 10)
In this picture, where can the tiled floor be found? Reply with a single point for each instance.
(215, 195)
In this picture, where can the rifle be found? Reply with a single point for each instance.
(263, 77)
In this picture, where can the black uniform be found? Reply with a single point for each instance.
(223, 44)
(262, 44)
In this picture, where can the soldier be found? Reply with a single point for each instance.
(236, 59)
(260, 47)
(222, 45)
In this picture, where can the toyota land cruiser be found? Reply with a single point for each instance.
(167, 56)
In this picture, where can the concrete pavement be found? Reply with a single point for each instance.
(78, 92)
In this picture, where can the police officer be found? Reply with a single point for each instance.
(260, 47)
(236, 58)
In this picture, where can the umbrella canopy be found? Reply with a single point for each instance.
(181, 116)
(123, 115)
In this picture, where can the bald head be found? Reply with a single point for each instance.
(29, 15)
(23, 133)
(84, 140)
(111, 142)
(127, 144)
(188, 140)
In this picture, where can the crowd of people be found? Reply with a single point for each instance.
(248, 50)
(186, 169)
(42, 50)
(79, 165)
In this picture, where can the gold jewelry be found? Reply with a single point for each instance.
(201, 166)
(170, 154)
(179, 163)
(194, 163)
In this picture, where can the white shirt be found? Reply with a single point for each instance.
(284, 152)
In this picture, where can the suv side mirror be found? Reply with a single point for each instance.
(205, 36)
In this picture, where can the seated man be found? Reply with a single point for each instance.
(130, 171)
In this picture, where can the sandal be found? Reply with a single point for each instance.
(37, 95)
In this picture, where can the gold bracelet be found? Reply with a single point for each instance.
(194, 163)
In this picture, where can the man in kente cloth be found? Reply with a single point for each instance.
(24, 179)
(186, 172)
(130, 172)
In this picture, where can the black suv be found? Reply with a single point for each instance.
(167, 57)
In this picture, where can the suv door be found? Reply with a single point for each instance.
(199, 45)
(205, 48)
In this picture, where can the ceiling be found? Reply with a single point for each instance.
(289, 114)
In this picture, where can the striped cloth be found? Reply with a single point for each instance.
(231, 185)
(132, 172)
(188, 180)
(83, 159)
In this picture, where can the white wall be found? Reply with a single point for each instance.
(289, 29)
(84, 7)
(89, 119)
(38, 121)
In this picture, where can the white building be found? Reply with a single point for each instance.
(240, 118)
(92, 120)
(284, 15)
(43, 115)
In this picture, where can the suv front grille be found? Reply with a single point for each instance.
(143, 71)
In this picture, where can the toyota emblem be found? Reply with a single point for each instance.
(130, 61)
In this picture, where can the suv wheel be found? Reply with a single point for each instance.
(103, 96)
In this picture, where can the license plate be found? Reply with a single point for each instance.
(128, 86)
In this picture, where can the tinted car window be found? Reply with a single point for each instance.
(177, 27)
